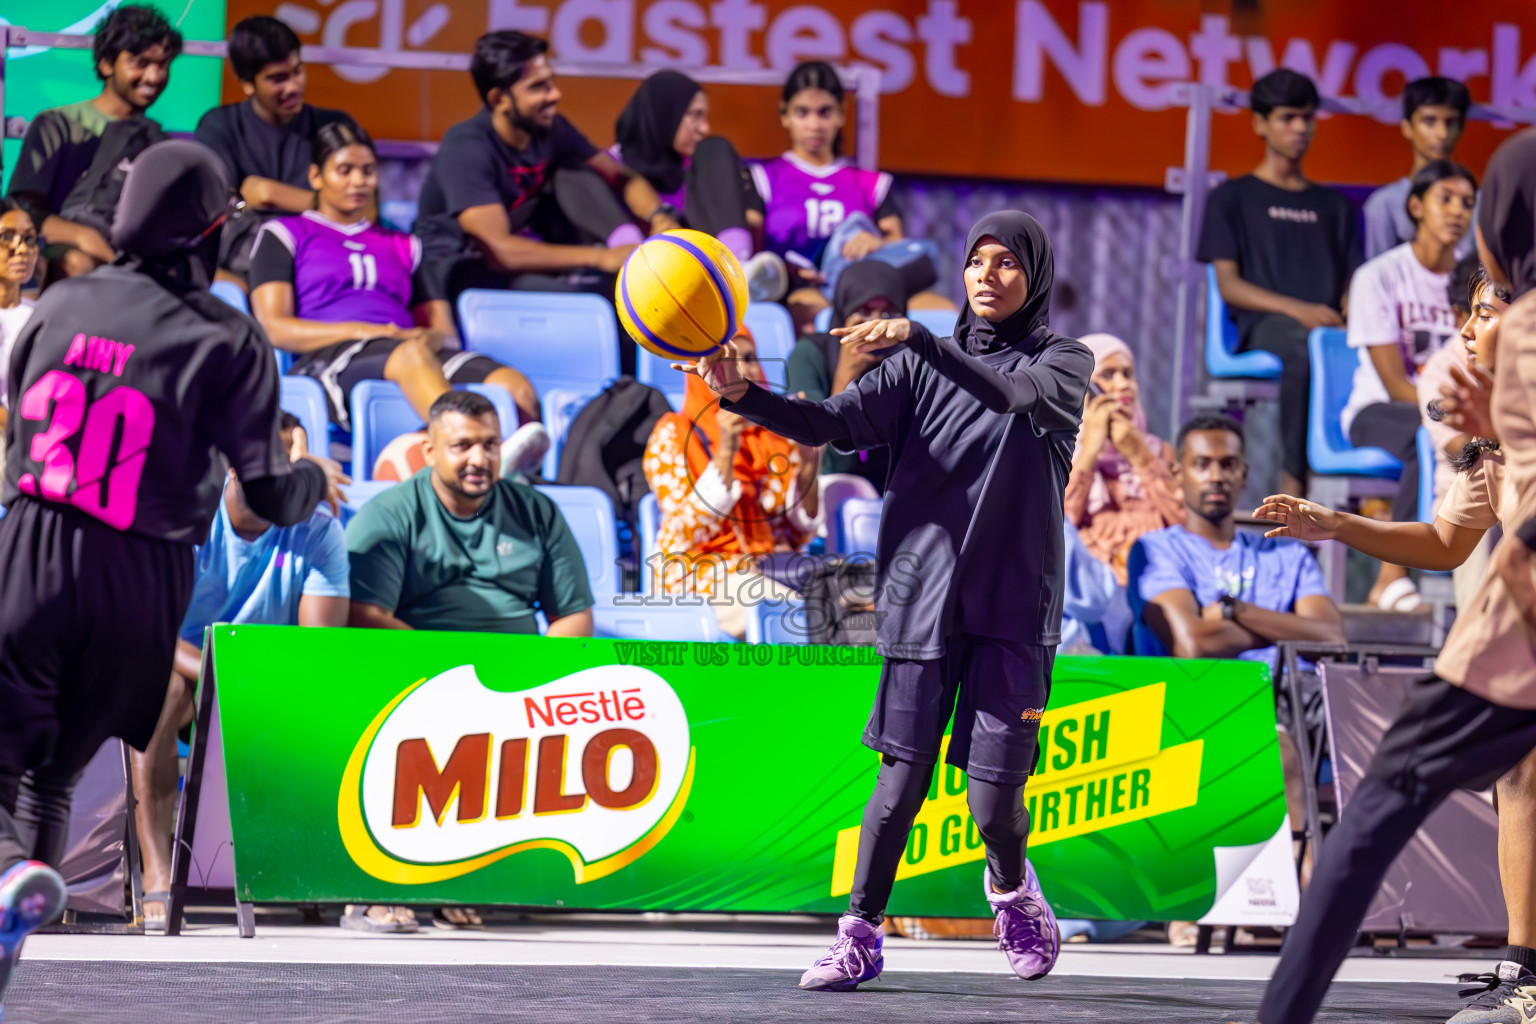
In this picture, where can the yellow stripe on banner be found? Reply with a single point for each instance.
(944, 835)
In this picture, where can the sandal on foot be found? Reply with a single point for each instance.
(157, 925)
(358, 919)
(457, 918)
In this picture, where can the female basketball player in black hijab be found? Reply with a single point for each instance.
(122, 383)
(981, 428)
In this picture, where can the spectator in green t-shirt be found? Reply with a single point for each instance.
(456, 548)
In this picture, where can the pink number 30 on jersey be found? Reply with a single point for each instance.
(108, 492)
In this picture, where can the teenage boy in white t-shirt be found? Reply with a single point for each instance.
(1399, 316)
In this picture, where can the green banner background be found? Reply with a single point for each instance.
(780, 771)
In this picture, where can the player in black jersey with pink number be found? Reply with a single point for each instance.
(122, 384)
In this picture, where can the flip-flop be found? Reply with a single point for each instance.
(157, 926)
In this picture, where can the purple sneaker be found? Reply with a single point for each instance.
(1026, 926)
(31, 895)
(853, 959)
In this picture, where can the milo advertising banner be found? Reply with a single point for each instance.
(385, 767)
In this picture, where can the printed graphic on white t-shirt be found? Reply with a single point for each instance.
(1395, 300)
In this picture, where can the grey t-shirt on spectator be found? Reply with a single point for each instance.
(1387, 223)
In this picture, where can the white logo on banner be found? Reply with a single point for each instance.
(592, 761)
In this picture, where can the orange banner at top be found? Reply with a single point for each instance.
(1056, 90)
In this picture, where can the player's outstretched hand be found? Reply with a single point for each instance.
(873, 335)
(335, 479)
(722, 370)
(1304, 520)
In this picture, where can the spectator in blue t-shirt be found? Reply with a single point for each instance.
(248, 571)
(1206, 591)
(1203, 590)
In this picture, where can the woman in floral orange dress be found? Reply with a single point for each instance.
(730, 492)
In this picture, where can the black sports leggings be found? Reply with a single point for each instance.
(716, 198)
(998, 810)
(1286, 338)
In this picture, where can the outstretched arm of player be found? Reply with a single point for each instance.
(1439, 546)
(864, 416)
(1050, 391)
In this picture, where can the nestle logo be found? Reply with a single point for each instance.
(589, 707)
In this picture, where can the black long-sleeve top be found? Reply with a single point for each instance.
(971, 536)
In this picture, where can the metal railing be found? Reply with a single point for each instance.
(863, 82)
(1194, 180)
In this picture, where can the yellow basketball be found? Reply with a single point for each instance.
(681, 294)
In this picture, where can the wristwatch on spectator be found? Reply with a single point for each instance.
(665, 209)
(1228, 607)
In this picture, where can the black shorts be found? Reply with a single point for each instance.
(88, 624)
(340, 368)
(1445, 737)
(994, 689)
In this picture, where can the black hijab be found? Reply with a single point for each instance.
(1028, 328)
(863, 281)
(174, 192)
(1506, 210)
(648, 124)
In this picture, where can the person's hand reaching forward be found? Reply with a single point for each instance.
(1303, 520)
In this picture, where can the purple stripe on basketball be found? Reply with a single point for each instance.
(726, 298)
(634, 318)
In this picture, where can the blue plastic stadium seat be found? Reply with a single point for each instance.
(658, 373)
(657, 622)
(305, 398)
(556, 340)
(1329, 452)
(560, 409)
(380, 414)
(399, 214)
(589, 514)
(1427, 466)
(648, 515)
(823, 321)
(780, 622)
(231, 294)
(359, 493)
(1222, 359)
(860, 525)
(774, 332)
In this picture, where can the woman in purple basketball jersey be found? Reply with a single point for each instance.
(820, 212)
(347, 297)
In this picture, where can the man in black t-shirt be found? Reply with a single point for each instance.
(1284, 249)
(132, 50)
(264, 140)
(517, 197)
(122, 384)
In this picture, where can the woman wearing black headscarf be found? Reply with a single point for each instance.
(821, 365)
(980, 429)
(663, 134)
(1474, 720)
